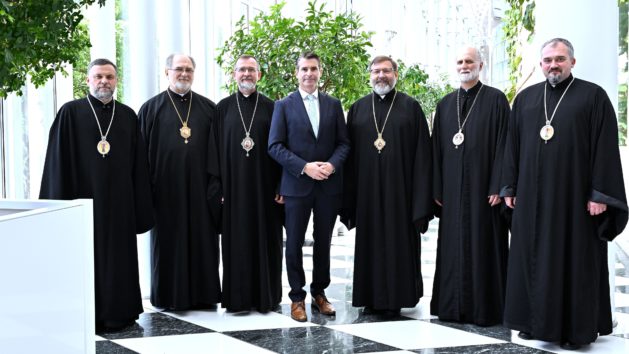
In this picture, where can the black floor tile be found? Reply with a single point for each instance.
(309, 340)
(107, 347)
(156, 324)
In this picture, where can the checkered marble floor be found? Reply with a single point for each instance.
(350, 331)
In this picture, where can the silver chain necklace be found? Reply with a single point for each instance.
(247, 143)
(458, 138)
(103, 145)
(379, 143)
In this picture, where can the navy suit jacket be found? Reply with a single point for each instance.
(292, 143)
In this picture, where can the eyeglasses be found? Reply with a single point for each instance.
(183, 70)
(384, 71)
(249, 70)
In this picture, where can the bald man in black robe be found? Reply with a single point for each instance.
(468, 147)
(563, 179)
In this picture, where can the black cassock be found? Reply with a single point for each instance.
(557, 280)
(184, 241)
(251, 220)
(472, 248)
(118, 185)
(387, 197)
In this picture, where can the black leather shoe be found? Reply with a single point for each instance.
(570, 346)
(525, 335)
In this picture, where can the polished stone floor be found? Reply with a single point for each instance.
(350, 331)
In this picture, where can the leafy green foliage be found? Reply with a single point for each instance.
(79, 68)
(414, 82)
(37, 39)
(79, 73)
(277, 41)
(622, 114)
(519, 19)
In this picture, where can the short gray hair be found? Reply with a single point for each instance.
(101, 61)
(169, 60)
(245, 57)
(553, 42)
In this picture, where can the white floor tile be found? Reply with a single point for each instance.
(621, 300)
(215, 343)
(222, 321)
(623, 323)
(604, 344)
(419, 312)
(621, 281)
(414, 334)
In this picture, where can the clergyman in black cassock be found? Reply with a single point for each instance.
(388, 183)
(184, 242)
(563, 179)
(248, 178)
(468, 146)
(115, 175)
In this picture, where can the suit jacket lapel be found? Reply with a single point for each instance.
(301, 108)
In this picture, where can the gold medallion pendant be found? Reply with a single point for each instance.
(379, 143)
(185, 133)
(458, 139)
(547, 132)
(247, 144)
(103, 147)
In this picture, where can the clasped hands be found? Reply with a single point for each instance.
(318, 170)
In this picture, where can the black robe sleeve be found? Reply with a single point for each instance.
(607, 178)
(422, 174)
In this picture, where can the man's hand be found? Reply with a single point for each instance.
(596, 208)
(438, 202)
(318, 170)
(494, 200)
(510, 201)
(279, 199)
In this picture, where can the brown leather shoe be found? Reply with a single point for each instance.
(298, 311)
(322, 304)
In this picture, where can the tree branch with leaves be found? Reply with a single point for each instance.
(38, 39)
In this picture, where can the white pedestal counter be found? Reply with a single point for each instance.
(46, 277)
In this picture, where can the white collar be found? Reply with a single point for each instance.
(304, 94)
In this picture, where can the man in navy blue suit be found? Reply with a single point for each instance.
(309, 139)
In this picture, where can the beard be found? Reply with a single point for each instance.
(182, 86)
(247, 85)
(471, 76)
(383, 86)
(103, 93)
(554, 78)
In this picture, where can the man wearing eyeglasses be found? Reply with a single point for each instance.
(468, 146)
(563, 180)
(247, 178)
(184, 242)
(388, 183)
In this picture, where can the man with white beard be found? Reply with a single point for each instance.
(184, 243)
(468, 141)
(387, 196)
